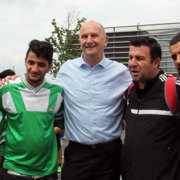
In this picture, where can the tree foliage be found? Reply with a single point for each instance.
(63, 40)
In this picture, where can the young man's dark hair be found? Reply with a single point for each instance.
(175, 39)
(155, 48)
(7, 72)
(41, 49)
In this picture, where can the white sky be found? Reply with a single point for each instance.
(24, 20)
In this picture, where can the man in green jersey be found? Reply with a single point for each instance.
(32, 104)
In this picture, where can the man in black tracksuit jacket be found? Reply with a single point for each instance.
(152, 144)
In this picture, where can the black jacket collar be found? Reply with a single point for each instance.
(149, 83)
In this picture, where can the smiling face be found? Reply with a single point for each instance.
(175, 54)
(140, 65)
(36, 69)
(93, 40)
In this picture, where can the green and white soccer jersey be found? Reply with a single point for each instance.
(3, 125)
(31, 146)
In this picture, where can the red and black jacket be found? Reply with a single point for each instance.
(152, 144)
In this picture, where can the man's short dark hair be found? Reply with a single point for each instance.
(155, 48)
(175, 39)
(41, 49)
(7, 72)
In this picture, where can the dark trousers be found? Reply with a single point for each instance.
(5, 176)
(86, 162)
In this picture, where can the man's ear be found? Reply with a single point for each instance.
(106, 40)
(25, 61)
(50, 67)
(80, 42)
(156, 63)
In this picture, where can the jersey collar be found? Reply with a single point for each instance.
(34, 89)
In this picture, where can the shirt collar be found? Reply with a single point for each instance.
(150, 82)
(102, 63)
(34, 89)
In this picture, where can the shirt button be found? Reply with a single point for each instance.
(92, 124)
(91, 98)
(91, 85)
(91, 111)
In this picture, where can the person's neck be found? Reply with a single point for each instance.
(92, 61)
(33, 83)
(143, 84)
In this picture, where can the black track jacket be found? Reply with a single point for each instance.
(152, 144)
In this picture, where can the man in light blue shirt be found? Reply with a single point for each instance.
(93, 98)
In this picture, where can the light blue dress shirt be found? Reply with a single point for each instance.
(93, 99)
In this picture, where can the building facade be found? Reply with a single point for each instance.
(119, 37)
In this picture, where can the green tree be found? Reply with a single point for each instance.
(63, 40)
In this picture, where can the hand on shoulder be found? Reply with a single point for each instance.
(7, 78)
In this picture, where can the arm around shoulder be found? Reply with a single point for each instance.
(7, 78)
